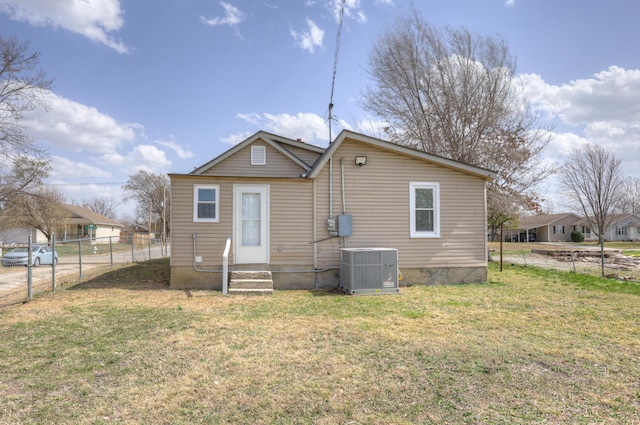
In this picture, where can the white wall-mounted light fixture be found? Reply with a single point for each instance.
(361, 160)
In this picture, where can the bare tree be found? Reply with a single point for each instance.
(151, 194)
(593, 180)
(452, 93)
(42, 209)
(630, 202)
(103, 206)
(22, 88)
(23, 173)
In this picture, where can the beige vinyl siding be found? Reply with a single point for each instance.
(291, 209)
(210, 237)
(291, 222)
(377, 196)
(239, 164)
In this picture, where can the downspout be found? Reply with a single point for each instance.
(331, 186)
(315, 233)
(344, 200)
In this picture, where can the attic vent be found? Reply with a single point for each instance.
(258, 155)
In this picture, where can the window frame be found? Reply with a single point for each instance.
(197, 202)
(435, 186)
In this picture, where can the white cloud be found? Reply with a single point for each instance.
(611, 95)
(510, 3)
(307, 126)
(94, 19)
(76, 127)
(310, 39)
(233, 16)
(174, 146)
(352, 9)
(141, 157)
(234, 139)
(603, 109)
(66, 168)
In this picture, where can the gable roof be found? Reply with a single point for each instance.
(85, 215)
(272, 140)
(434, 159)
(541, 220)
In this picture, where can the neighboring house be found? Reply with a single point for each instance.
(20, 236)
(289, 207)
(558, 228)
(84, 223)
(624, 227)
(544, 228)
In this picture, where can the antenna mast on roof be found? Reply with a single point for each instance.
(335, 67)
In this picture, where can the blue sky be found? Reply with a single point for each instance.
(166, 85)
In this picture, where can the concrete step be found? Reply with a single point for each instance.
(250, 291)
(251, 283)
(244, 282)
(246, 274)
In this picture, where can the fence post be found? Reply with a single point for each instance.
(149, 248)
(29, 275)
(111, 249)
(53, 262)
(133, 257)
(80, 256)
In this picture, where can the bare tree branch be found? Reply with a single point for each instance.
(452, 92)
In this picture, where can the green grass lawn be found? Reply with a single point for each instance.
(530, 346)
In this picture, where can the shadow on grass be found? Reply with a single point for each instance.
(146, 275)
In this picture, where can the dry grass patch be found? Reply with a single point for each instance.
(530, 346)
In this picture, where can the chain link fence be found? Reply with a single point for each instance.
(20, 282)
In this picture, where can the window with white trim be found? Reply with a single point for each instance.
(621, 230)
(206, 203)
(424, 204)
(258, 155)
(558, 229)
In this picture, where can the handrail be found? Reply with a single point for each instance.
(225, 267)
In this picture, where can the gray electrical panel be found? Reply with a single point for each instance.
(344, 225)
(369, 271)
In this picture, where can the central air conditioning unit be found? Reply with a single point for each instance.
(369, 271)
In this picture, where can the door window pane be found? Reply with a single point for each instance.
(251, 220)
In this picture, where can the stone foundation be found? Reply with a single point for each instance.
(443, 276)
(301, 277)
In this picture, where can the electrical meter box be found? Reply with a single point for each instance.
(344, 225)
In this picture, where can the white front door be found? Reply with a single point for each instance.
(251, 224)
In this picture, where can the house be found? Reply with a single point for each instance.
(289, 207)
(544, 228)
(20, 236)
(558, 228)
(623, 227)
(81, 223)
(84, 223)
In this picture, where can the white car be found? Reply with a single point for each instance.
(40, 254)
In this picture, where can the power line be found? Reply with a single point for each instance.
(335, 65)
